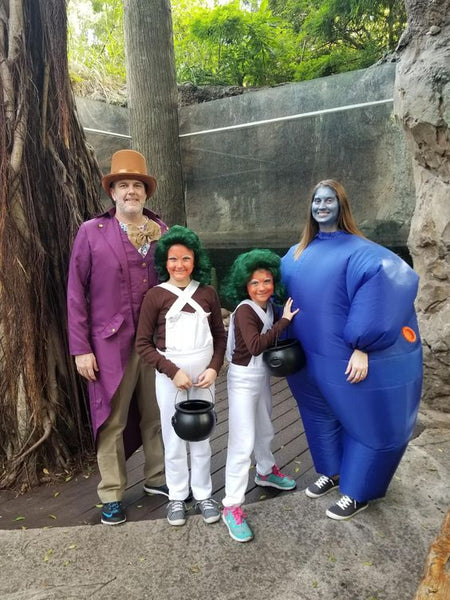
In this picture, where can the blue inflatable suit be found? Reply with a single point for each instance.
(353, 293)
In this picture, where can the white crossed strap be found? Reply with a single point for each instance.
(184, 297)
(266, 318)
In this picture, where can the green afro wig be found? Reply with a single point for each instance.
(234, 288)
(186, 237)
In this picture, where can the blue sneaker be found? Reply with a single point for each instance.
(276, 479)
(113, 513)
(235, 519)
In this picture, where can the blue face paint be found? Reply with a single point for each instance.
(325, 208)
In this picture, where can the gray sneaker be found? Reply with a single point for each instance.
(209, 509)
(321, 487)
(176, 512)
(345, 508)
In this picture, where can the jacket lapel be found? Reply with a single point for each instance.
(111, 232)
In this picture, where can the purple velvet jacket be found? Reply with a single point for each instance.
(99, 304)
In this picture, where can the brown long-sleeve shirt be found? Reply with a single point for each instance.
(248, 338)
(151, 331)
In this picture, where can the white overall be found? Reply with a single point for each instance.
(189, 345)
(249, 416)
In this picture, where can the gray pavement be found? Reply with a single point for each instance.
(298, 553)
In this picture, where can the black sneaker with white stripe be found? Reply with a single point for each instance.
(163, 490)
(321, 487)
(345, 508)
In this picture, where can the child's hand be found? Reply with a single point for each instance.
(182, 381)
(206, 378)
(288, 313)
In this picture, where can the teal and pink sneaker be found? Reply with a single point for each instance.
(235, 519)
(276, 479)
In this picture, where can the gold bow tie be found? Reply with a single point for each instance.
(144, 234)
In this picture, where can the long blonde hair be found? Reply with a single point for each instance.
(346, 221)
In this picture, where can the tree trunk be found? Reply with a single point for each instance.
(152, 101)
(49, 185)
(435, 583)
(422, 102)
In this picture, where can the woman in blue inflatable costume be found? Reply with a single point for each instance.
(360, 390)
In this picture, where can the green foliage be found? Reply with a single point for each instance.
(96, 46)
(232, 46)
(251, 43)
(341, 35)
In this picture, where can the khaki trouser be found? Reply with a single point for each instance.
(138, 378)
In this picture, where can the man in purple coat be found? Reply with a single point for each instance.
(111, 269)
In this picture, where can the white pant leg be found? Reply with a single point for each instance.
(264, 432)
(201, 483)
(175, 453)
(244, 388)
(175, 449)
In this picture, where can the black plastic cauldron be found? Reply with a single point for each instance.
(284, 358)
(194, 419)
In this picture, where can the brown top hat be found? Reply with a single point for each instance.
(128, 164)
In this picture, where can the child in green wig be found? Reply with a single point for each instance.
(181, 334)
(253, 281)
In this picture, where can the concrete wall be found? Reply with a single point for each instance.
(249, 184)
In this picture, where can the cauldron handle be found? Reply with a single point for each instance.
(187, 395)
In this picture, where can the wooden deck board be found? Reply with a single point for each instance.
(74, 502)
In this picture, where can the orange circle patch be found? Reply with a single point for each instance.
(409, 334)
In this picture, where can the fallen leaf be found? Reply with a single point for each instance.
(332, 558)
(195, 569)
(47, 555)
(297, 469)
(315, 584)
(52, 516)
(66, 563)
(56, 494)
(72, 547)
(368, 563)
(68, 478)
(19, 519)
(262, 497)
(46, 471)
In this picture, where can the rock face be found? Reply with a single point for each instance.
(189, 93)
(422, 103)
